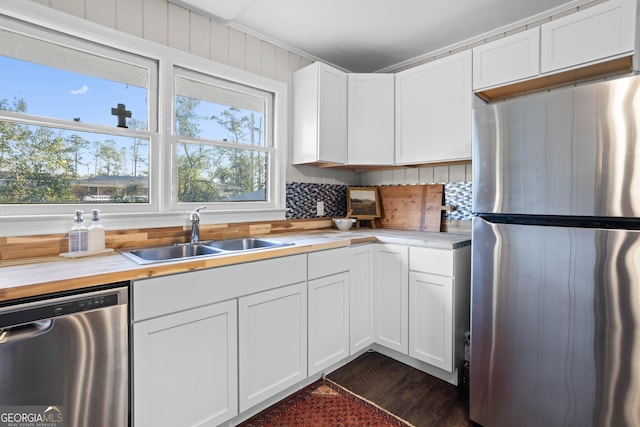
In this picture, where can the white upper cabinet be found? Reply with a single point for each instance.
(319, 115)
(599, 32)
(371, 119)
(506, 60)
(433, 111)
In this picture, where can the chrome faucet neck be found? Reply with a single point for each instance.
(195, 224)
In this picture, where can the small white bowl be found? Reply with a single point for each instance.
(344, 223)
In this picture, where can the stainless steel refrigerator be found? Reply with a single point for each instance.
(555, 322)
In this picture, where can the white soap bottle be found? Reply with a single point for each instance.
(78, 234)
(96, 233)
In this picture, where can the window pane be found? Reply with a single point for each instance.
(48, 165)
(221, 114)
(209, 173)
(65, 95)
(64, 83)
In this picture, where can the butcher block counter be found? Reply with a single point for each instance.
(39, 276)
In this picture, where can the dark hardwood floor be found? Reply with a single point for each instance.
(411, 394)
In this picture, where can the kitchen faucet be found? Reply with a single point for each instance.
(195, 224)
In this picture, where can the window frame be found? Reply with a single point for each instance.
(35, 20)
(268, 147)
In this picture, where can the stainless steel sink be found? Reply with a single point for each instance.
(245, 244)
(200, 249)
(170, 253)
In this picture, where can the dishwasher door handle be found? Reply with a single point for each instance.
(29, 330)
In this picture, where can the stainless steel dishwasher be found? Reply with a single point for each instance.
(64, 360)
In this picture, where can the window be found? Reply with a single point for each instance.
(74, 126)
(93, 117)
(224, 140)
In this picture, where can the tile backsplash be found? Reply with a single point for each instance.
(460, 196)
(302, 200)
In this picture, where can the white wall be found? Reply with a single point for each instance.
(419, 175)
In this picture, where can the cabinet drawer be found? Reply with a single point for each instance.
(430, 260)
(325, 263)
(170, 294)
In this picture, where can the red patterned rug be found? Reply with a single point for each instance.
(324, 404)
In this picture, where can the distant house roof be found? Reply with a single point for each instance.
(113, 181)
(258, 195)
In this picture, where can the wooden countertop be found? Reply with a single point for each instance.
(46, 275)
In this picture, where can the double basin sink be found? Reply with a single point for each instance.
(201, 249)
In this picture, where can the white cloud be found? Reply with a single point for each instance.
(84, 89)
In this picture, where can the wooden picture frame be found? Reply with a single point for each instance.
(363, 202)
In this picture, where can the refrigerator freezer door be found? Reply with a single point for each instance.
(555, 326)
(572, 151)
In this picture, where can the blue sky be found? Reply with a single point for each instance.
(65, 95)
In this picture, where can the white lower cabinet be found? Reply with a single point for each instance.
(328, 276)
(361, 317)
(391, 293)
(216, 342)
(430, 319)
(210, 343)
(272, 342)
(328, 321)
(185, 367)
(422, 302)
(439, 295)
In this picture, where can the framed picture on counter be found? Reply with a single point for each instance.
(363, 202)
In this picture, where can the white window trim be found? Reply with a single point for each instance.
(12, 224)
(175, 139)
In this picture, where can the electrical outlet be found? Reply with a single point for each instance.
(320, 209)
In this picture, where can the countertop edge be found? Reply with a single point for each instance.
(34, 279)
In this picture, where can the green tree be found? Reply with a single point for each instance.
(110, 156)
(138, 144)
(248, 166)
(76, 145)
(10, 132)
(42, 169)
(193, 159)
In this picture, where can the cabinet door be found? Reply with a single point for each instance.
(506, 60)
(361, 298)
(433, 111)
(599, 32)
(272, 331)
(391, 293)
(371, 119)
(186, 360)
(328, 321)
(431, 319)
(319, 115)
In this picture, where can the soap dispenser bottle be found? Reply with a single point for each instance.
(78, 234)
(96, 233)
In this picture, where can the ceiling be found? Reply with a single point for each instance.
(372, 35)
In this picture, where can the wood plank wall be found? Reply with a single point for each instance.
(179, 28)
(25, 247)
